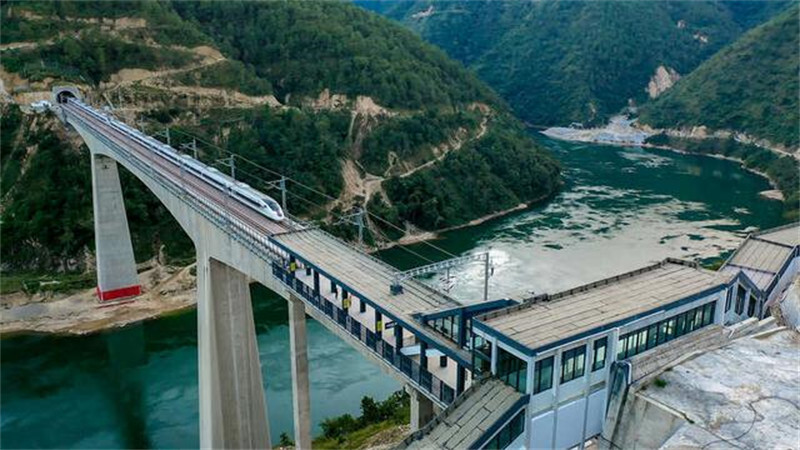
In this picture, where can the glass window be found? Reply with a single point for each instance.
(512, 370)
(543, 375)
(708, 313)
(681, 322)
(751, 308)
(508, 433)
(623, 341)
(642, 341)
(652, 336)
(481, 354)
(599, 359)
(740, 294)
(671, 329)
(638, 341)
(728, 300)
(573, 363)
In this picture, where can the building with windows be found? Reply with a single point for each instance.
(762, 267)
(566, 359)
(558, 348)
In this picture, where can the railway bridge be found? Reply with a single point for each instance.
(415, 333)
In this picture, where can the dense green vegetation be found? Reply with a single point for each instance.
(496, 173)
(92, 58)
(232, 75)
(300, 144)
(57, 225)
(293, 50)
(56, 18)
(305, 47)
(47, 211)
(784, 171)
(411, 138)
(557, 62)
(346, 431)
(750, 86)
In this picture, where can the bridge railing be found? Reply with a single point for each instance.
(424, 286)
(255, 240)
(419, 375)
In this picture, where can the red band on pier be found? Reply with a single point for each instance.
(130, 291)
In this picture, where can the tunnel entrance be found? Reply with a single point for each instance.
(62, 94)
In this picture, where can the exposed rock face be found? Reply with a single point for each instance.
(663, 79)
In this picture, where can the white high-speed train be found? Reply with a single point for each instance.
(243, 193)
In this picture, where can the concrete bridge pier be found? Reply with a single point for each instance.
(300, 388)
(421, 409)
(116, 267)
(233, 408)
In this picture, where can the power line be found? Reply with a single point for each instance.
(298, 183)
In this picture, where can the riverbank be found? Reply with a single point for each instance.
(167, 290)
(419, 237)
(624, 132)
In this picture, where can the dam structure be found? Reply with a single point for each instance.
(550, 371)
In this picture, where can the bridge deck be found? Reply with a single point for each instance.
(365, 276)
(369, 276)
(462, 424)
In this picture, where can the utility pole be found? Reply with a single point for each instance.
(192, 147)
(357, 219)
(283, 193)
(230, 162)
(486, 278)
(166, 134)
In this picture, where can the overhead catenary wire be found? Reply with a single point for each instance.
(305, 186)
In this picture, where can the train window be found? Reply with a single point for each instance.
(248, 199)
(272, 205)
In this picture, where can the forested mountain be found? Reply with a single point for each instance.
(340, 99)
(750, 86)
(558, 62)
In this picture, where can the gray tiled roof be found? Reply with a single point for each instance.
(761, 255)
(788, 235)
(548, 319)
(461, 426)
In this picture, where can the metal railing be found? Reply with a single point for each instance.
(419, 375)
(249, 236)
(261, 244)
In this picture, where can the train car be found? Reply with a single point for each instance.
(241, 192)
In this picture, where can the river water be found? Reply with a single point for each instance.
(620, 208)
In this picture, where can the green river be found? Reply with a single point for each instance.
(620, 208)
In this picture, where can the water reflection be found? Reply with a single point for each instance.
(124, 385)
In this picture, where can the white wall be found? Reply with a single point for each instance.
(542, 431)
(788, 276)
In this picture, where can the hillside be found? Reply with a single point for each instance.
(560, 62)
(749, 86)
(339, 99)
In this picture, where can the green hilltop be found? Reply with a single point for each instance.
(325, 92)
(750, 86)
(557, 62)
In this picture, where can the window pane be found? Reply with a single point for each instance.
(652, 336)
(567, 367)
(599, 354)
(740, 294)
(623, 341)
(642, 341)
(580, 363)
(543, 375)
(670, 329)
